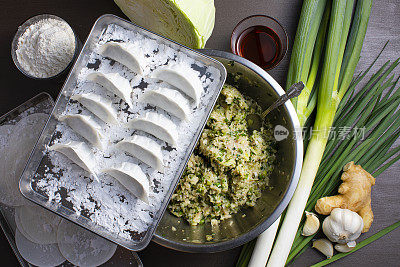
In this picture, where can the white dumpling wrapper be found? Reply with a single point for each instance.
(157, 125)
(18, 224)
(126, 54)
(77, 152)
(99, 106)
(183, 78)
(132, 178)
(114, 83)
(38, 254)
(169, 100)
(39, 224)
(17, 148)
(6, 178)
(86, 127)
(82, 247)
(144, 149)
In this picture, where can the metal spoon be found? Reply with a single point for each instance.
(255, 121)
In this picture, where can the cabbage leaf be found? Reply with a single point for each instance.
(188, 22)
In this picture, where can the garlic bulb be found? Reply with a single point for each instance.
(343, 248)
(343, 226)
(311, 225)
(324, 246)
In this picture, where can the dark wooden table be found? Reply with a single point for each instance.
(384, 25)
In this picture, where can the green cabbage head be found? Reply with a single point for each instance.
(189, 22)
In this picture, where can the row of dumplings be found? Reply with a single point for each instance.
(174, 101)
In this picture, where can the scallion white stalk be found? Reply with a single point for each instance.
(327, 103)
(264, 245)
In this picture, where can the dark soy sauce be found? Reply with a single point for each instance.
(261, 45)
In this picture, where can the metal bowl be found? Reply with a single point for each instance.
(248, 223)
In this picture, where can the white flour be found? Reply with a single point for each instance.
(46, 48)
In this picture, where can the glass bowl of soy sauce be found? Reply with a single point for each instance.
(260, 39)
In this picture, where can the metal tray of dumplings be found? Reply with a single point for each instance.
(43, 103)
(37, 164)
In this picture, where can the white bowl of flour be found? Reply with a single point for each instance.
(44, 47)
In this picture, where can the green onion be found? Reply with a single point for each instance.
(327, 103)
(263, 245)
(312, 83)
(362, 244)
(341, 53)
(354, 44)
(302, 53)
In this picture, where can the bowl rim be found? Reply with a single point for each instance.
(268, 221)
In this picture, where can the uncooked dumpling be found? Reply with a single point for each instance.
(124, 53)
(86, 127)
(99, 106)
(39, 224)
(82, 247)
(144, 149)
(157, 125)
(37, 254)
(183, 78)
(77, 152)
(114, 83)
(15, 148)
(169, 100)
(132, 178)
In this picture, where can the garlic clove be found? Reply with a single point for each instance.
(324, 246)
(311, 225)
(343, 247)
(348, 166)
(351, 244)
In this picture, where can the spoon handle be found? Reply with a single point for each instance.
(294, 91)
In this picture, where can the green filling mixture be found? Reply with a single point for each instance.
(229, 167)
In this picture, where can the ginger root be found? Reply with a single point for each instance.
(354, 194)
